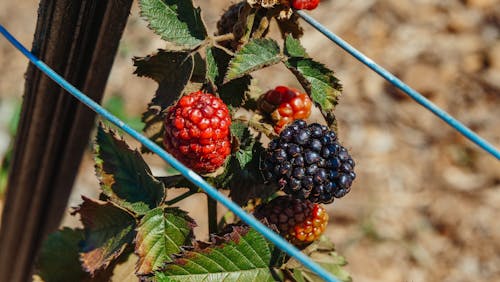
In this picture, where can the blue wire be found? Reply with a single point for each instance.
(401, 85)
(189, 174)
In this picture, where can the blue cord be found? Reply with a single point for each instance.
(189, 174)
(464, 130)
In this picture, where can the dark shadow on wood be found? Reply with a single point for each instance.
(78, 39)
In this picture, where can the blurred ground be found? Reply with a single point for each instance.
(425, 205)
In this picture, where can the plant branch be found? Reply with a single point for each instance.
(223, 37)
(212, 215)
(180, 197)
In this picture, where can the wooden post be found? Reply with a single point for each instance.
(78, 39)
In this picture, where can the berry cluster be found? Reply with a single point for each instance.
(307, 162)
(285, 105)
(299, 221)
(197, 131)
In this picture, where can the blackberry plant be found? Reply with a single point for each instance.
(209, 113)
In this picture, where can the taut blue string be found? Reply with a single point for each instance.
(189, 174)
(419, 98)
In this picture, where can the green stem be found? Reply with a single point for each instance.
(212, 215)
(180, 197)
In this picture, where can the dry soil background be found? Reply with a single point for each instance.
(426, 203)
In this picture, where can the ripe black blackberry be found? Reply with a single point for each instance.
(307, 162)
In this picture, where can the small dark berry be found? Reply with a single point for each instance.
(298, 161)
(286, 135)
(346, 167)
(316, 145)
(320, 176)
(311, 170)
(325, 152)
(286, 169)
(343, 155)
(298, 172)
(333, 163)
(311, 157)
(308, 183)
(345, 181)
(316, 131)
(302, 137)
(280, 155)
(294, 150)
(294, 184)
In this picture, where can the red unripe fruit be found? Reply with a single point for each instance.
(305, 4)
(285, 105)
(197, 131)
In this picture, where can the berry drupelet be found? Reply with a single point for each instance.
(299, 221)
(307, 162)
(197, 131)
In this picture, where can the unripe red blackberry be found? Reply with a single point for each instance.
(307, 161)
(299, 221)
(197, 131)
(285, 105)
(305, 4)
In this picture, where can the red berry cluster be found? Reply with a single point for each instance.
(305, 4)
(286, 105)
(197, 131)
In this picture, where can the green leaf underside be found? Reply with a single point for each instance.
(58, 259)
(245, 153)
(293, 48)
(256, 54)
(172, 71)
(243, 255)
(176, 21)
(242, 173)
(124, 175)
(160, 234)
(108, 231)
(320, 82)
(212, 67)
(233, 93)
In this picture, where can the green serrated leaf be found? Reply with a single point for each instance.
(58, 259)
(242, 173)
(108, 231)
(242, 255)
(160, 234)
(293, 48)
(256, 54)
(199, 70)
(176, 21)
(239, 129)
(319, 81)
(233, 93)
(212, 67)
(244, 155)
(172, 71)
(124, 175)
